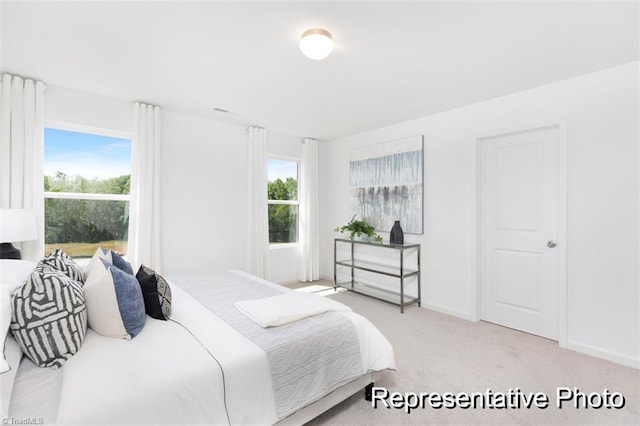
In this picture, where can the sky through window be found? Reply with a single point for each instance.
(88, 155)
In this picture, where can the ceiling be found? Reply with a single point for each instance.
(392, 61)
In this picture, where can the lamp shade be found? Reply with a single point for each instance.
(18, 225)
(316, 43)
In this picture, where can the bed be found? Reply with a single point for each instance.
(209, 364)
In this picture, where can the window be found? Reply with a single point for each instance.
(282, 190)
(86, 189)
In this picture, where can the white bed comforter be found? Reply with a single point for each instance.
(166, 376)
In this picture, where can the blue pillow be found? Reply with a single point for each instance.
(129, 298)
(119, 262)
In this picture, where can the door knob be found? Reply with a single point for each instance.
(551, 244)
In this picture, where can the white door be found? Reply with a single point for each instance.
(519, 226)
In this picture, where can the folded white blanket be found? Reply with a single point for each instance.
(286, 308)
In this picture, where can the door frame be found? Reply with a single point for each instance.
(561, 125)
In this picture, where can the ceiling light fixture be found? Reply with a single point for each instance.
(316, 43)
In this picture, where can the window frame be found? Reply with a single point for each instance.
(298, 161)
(92, 130)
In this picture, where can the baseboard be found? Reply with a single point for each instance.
(574, 346)
(326, 277)
(603, 354)
(459, 314)
(288, 282)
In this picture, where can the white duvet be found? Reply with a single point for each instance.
(168, 374)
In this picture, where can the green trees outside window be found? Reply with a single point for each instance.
(79, 225)
(81, 213)
(282, 192)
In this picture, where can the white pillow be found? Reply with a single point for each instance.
(103, 313)
(115, 306)
(103, 254)
(13, 273)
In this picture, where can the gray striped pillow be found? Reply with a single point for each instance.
(61, 261)
(49, 317)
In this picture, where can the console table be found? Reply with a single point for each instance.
(398, 271)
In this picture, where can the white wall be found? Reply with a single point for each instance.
(69, 106)
(600, 111)
(204, 181)
(1, 36)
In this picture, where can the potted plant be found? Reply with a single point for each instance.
(359, 228)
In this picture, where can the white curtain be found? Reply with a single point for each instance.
(257, 242)
(145, 240)
(309, 227)
(22, 153)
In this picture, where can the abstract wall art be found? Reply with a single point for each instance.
(387, 184)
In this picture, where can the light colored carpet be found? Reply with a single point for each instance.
(440, 353)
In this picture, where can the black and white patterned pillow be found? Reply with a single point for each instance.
(156, 293)
(61, 261)
(49, 317)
